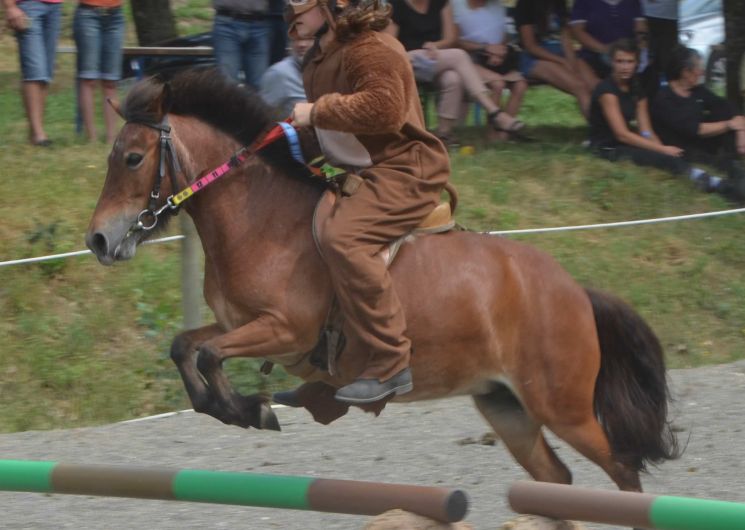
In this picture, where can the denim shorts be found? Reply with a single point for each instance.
(37, 45)
(527, 60)
(99, 37)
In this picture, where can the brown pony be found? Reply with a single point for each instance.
(489, 317)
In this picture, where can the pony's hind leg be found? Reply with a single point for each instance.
(522, 435)
(590, 440)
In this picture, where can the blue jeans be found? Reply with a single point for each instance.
(99, 37)
(242, 45)
(528, 60)
(37, 45)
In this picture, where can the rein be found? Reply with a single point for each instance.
(173, 202)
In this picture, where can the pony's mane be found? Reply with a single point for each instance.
(206, 94)
(210, 96)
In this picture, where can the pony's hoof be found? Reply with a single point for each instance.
(267, 419)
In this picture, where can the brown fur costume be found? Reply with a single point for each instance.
(368, 118)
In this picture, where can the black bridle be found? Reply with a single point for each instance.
(167, 152)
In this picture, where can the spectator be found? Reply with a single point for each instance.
(482, 26)
(242, 36)
(427, 31)
(36, 24)
(282, 84)
(617, 102)
(662, 22)
(548, 52)
(598, 23)
(688, 115)
(98, 28)
(278, 46)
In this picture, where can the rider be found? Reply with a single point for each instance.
(364, 105)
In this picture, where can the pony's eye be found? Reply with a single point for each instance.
(133, 160)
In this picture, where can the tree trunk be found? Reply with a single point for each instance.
(734, 22)
(154, 21)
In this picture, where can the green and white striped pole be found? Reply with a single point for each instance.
(222, 487)
(639, 510)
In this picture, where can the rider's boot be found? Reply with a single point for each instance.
(371, 390)
(289, 398)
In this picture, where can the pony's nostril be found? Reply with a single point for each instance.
(99, 244)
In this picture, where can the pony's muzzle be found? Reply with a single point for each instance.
(98, 243)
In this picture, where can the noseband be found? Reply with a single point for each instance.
(167, 151)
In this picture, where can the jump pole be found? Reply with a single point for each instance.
(619, 508)
(223, 487)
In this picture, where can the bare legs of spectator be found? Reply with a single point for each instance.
(517, 94)
(85, 100)
(459, 61)
(496, 84)
(556, 75)
(87, 106)
(110, 117)
(34, 100)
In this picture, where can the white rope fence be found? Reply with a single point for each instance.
(618, 224)
(77, 253)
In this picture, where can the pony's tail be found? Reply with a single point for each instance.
(631, 392)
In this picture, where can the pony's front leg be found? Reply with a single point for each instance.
(265, 336)
(183, 354)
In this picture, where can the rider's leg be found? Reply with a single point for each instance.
(388, 204)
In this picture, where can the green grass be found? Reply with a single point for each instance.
(83, 344)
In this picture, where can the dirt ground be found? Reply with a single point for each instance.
(432, 443)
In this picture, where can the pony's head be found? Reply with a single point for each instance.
(141, 170)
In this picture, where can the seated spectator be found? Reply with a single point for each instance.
(688, 115)
(598, 23)
(548, 52)
(617, 102)
(242, 36)
(98, 28)
(37, 26)
(427, 31)
(482, 26)
(282, 84)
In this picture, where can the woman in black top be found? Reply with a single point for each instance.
(428, 33)
(617, 102)
(548, 52)
(690, 116)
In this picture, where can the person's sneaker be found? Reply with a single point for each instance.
(372, 390)
(707, 183)
(289, 398)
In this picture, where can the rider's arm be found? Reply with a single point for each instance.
(378, 102)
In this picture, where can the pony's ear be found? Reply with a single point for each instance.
(117, 108)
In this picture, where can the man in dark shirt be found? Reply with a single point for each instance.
(688, 115)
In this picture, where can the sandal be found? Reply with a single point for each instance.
(512, 125)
